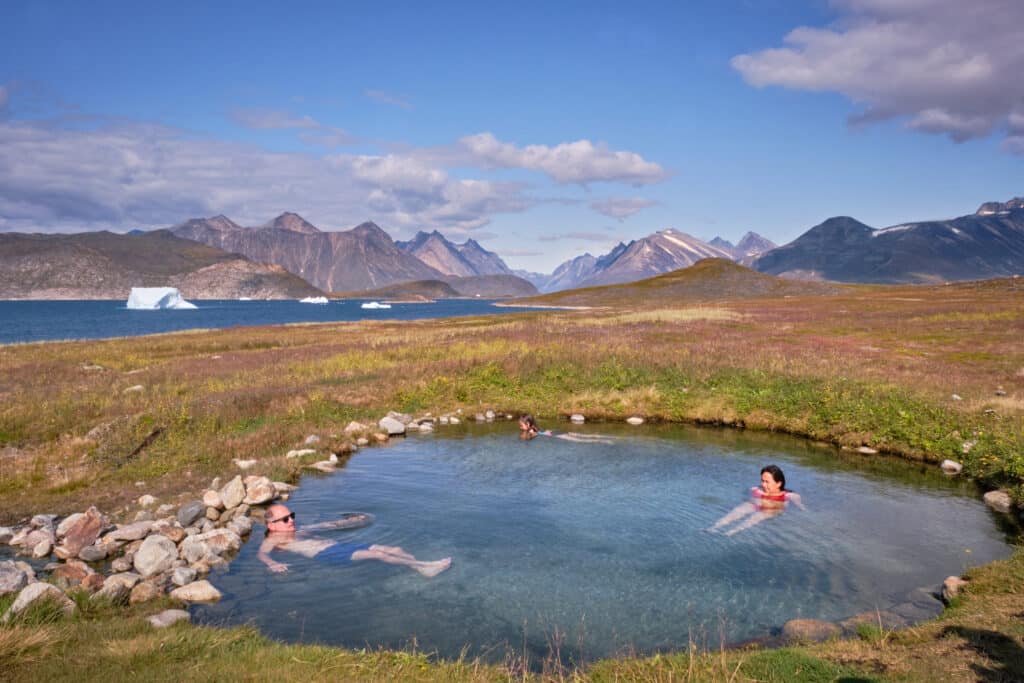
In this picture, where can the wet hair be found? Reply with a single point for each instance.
(530, 422)
(776, 473)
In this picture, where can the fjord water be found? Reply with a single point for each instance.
(28, 321)
(596, 549)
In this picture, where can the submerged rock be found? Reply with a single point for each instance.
(809, 630)
(197, 591)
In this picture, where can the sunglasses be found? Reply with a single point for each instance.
(290, 515)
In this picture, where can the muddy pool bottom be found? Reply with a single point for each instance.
(582, 551)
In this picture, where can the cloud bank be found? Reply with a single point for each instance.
(621, 207)
(948, 67)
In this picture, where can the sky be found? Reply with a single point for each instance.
(542, 130)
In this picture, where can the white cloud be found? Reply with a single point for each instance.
(947, 66)
(123, 176)
(386, 98)
(311, 130)
(587, 236)
(621, 207)
(570, 162)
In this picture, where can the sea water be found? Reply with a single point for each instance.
(585, 550)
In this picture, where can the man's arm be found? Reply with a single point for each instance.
(350, 521)
(264, 556)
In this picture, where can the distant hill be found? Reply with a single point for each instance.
(364, 257)
(416, 290)
(987, 244)
(460, 260)
(714, 279)
(105, 265)
(486, 286)
(492, 286)
(661, 252)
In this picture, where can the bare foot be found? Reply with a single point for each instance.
(429, 569)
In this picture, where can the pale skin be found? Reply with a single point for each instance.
(528, 430)
(749, 514)
(283, 535)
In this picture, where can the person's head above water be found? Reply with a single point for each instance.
(772, 479)
(527, 423)
(279, 518)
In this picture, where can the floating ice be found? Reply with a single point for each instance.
(314, 300)
(375, 304)
(153, 298)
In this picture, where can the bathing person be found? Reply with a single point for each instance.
(282, 535)
(528, 429)
(769, 500)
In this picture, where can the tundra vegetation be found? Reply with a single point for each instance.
(927, 373)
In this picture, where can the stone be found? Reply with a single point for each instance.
(259, 492)
(241, 526)
(1000, 391)
(131, 532)
(999, 501)
(117, 587)
(443, 419)
(175, 533)
(37, 592)
(155, 555)
(956, 397)
(92, 553)
(353, 427)
(144, 591)
(232, 494)
(489, 415)
(283, 487)
(480, 417)
(6, 534)
(951, 588)
(134, 389)
(190, 512)
(12, 578)
(333, 459)
(183, 575)
(42, 549)
(325, 466)
(312, 440)
(121, 564)
(381, 437)
(866, 450)
(67, 523)
(362, 441)
(392, 426)
(146, 500)
(426, 427)
(635, 420)
(951, 467)
(168, 617)
(213, 513)
(209, 545)
(244, 464)
(212, 499)
(809, 630)
(69, 575)
(43, 522)
(81, 533)
(404, 418)
(165, 509)
(300, 453)
(34, 537)
(93, 582)
(454, 420)
(144, 516)
(197, 591)
(577, 419)
(881, 619)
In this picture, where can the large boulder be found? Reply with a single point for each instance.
(392, 426)
(999, 501)
(130, 532)
(190, 512)
(39, 592)
(82, 532)
(157, 554)
(209, 545)
(259, 490)
(233, 493)
(118, 586)
(12, 578)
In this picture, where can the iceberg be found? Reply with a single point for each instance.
(313, 300)
(375, 304)
(153, 298)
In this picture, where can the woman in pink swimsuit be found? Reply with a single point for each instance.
(769, 500)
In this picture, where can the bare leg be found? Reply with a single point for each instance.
(738, 512)
(394, 555)
(750, 521)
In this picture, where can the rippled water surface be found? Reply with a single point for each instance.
(600, 548)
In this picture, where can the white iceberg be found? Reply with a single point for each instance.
(313, 300)
(153, 298)
(375, 304)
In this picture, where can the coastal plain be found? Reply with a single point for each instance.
(923, 372)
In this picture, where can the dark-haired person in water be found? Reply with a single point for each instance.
(282, 535)
(769, 500)
(528, 430)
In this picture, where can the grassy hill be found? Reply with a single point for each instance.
(707, 280)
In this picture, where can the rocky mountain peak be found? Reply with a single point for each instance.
(293, 222)
(989, 208)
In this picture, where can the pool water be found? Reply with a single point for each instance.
(586, 550)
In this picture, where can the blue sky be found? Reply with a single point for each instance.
(542, 130)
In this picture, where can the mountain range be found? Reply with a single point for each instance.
(986, 244)
(105, 265)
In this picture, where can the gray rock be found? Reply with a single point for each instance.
(212, 499)
(232, 494)
(240, 525)
(168, 617)
(197, 591)
(300, 453)
(155, 555)
(42, 549)
(210, 545)
(165, 509)
(190, 512)
(809, 630)
(353, 427)
(117, 587)
(312, 440)
(951, 467)
(392, 426)
(121, 564)
(999, 501)
(489, 415)
(404, 418)
(480, 417)
(362, 441)
(130, 532)
(282, 487)
(6, 534)
(635, 420)
(866, 450)
(259, 491)
(43, 522)
(37, 592)
(454, 420)
(146, 500)
(92, 553)
(183, 575)
(12, 578)
(144, 591)
(144, 516)
(881, 619)
(244, 464)
(576, 418)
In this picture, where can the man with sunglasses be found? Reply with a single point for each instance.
(282, 535)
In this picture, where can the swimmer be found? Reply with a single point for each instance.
(528, 430)
(770, 499)
(282, 535)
